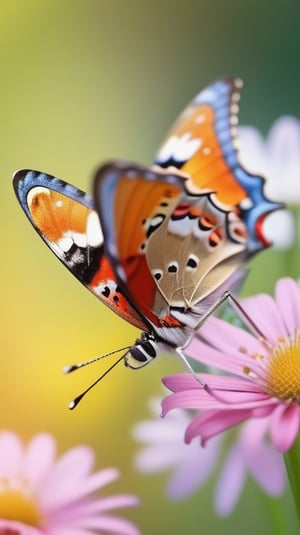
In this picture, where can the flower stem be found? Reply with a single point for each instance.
(282, 516)
(292, 463)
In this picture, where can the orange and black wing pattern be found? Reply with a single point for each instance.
(203, 145)
(132, 203)
(66, 220)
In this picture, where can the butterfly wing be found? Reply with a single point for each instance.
(213, 226)
(195, 251)
(164, 244)
(206, 234)
(202, 144)
(171, 239)
(66, 220)
(132, 202)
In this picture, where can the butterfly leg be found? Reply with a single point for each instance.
(241, 312)
(223, 297)
(237, 307)
(205, 316)
(196, 376)
(190, 368)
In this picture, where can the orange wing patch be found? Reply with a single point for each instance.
(207, 167)
(132, 229)
(55, 214)
(136, 200)
(73, 232)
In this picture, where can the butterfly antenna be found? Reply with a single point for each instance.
(76, 400)
(73, 367)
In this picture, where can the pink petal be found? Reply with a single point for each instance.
(70, 470)
(201, 399)
(73, 514)
(253, 433)
(287, 294)
(230, 483)
(112, 525)
(11, 454)
(264, 411)
(194, 470)
(264, 463)
(211, 423)
(186, 381)
(233, 361)
(155, 432)
(70, 530)
(267, 467)
(39, 457)
(109, 503)
(64, 493)
(76, 463)
(157, 458)
(284, 425)
(266, 315)
(230, 337)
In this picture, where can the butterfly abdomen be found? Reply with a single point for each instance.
(142, 352)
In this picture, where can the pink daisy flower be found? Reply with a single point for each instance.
(165, 449)
(40, 495)
(263, 373)
(191, 466)
(250, 454)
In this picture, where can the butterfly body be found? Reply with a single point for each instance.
(159, 245)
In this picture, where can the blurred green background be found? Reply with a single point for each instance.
(82, 82)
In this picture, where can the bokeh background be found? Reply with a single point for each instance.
(82, 82)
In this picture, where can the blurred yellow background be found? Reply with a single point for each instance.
(83, 82)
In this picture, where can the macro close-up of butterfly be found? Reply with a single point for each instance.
(160, 246)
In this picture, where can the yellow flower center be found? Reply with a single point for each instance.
(283, 375)
(17, 502)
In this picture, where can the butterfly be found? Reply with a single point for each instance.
(160, 245)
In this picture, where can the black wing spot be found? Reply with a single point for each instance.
(212, 242)
(172, 268)
(191, 263)
(106, 291)
(157, 274)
